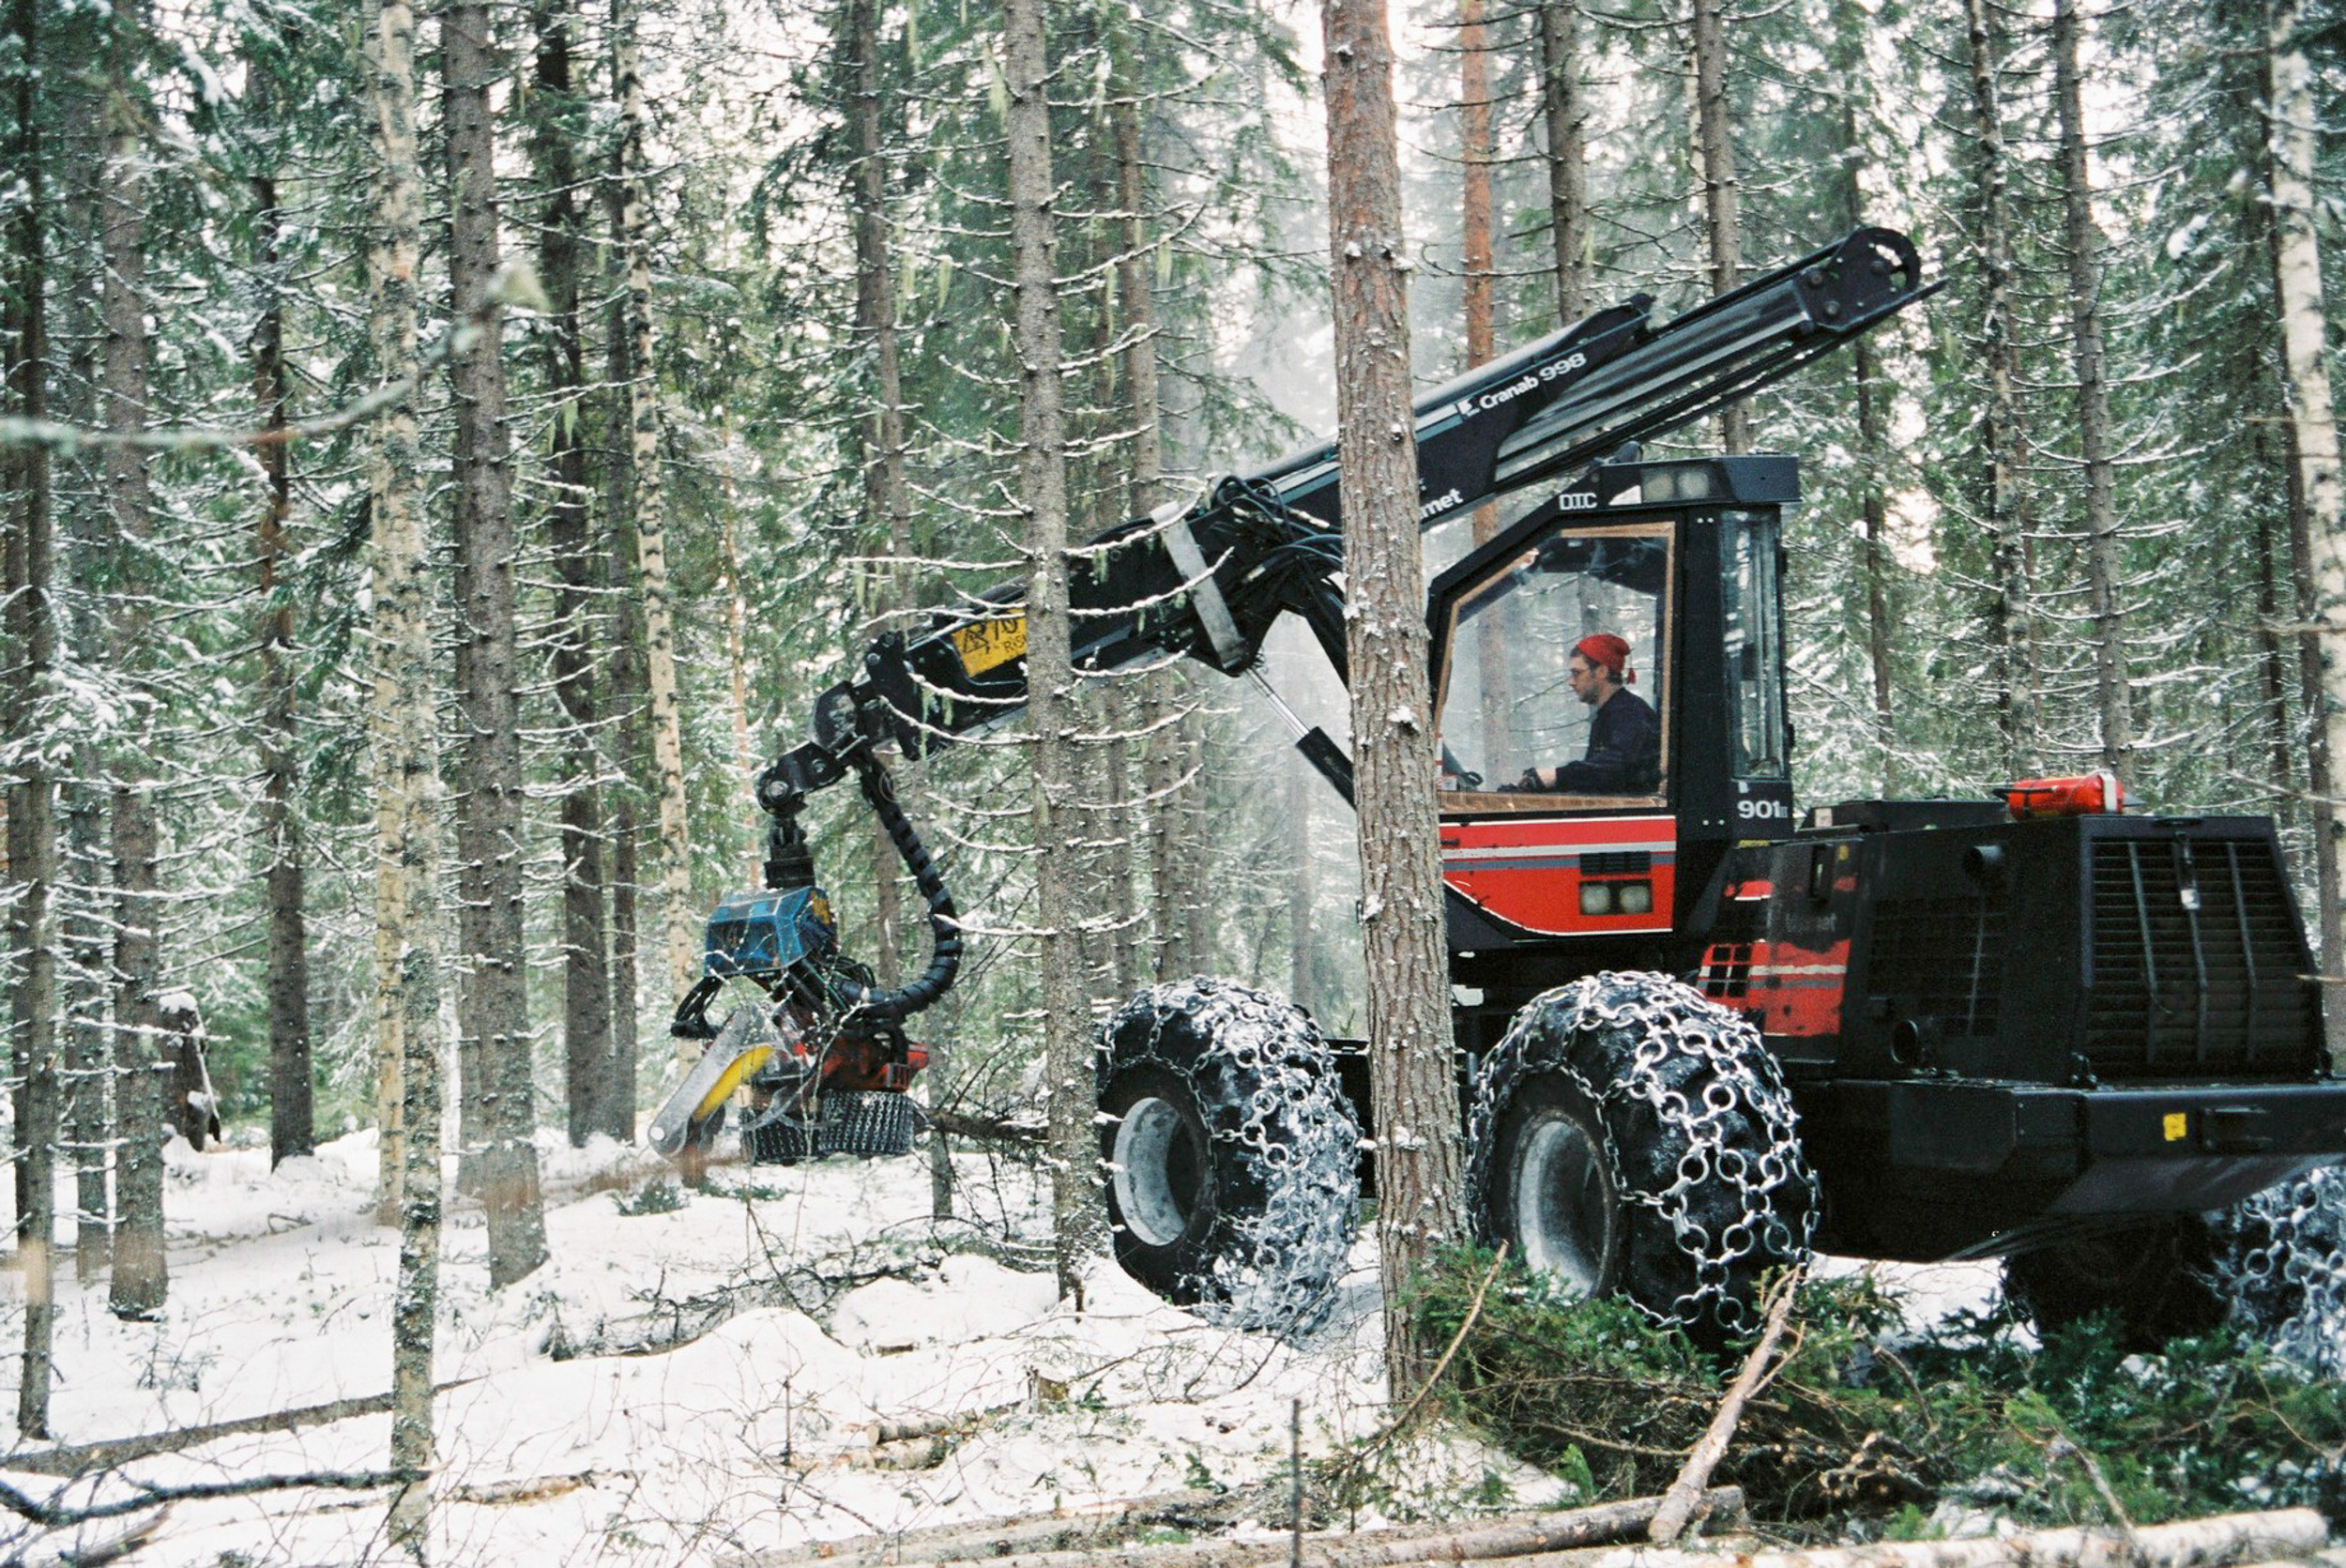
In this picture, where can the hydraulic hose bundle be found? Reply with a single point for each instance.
(944, 921)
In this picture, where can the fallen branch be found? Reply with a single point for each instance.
(980, 1128)
(55, 1515)
(1395, 1548)
(1677, 1503)
(2225, 1538)
(527, 1488)
(82, 1459)
(85, 1553)
(989, 1538)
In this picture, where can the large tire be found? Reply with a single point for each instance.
(1229, 1154)
(2280, 1260)
(1628, 1137)
(2155, 1280)
(2273, 1266)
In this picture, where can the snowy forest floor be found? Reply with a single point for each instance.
(792, 1355)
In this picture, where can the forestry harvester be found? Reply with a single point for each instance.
(1697, 1031)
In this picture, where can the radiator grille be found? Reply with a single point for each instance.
(2197, 960)
(1942, 958)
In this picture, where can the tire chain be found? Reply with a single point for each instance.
(1680, 1038)
(2281, 1258)
(1295, 1130)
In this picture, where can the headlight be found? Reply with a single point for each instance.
(1635, 898)
(1596, 898)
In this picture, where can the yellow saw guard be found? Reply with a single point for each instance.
(745, 1044)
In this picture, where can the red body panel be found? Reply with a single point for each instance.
(1784, 988)
(1530, 871)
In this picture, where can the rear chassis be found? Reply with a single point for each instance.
(2004, 1034)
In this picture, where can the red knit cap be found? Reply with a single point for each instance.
(1603, 648)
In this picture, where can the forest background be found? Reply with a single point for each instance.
(709, 308)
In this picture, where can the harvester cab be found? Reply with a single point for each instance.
(1679, 562)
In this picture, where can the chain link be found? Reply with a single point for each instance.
(2283, 1259)
(1715, 1168)
(1264, 1083)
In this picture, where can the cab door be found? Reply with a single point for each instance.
(1565, 858)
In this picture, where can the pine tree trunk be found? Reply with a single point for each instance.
(682, 919)
(886, 495)
(1078, 1231)
(1163, 758)
(493, 998)
(1419, 1167)
(1162, 764)
(2320, 486)
(89, 1122)
(2114, 698)
(1722, 218)
(291, 1118)
(1850, 24)
(628, 704)
(32, 804)
(2003, 509)
(2272, 656)
(1301, 891)
(1565, 106)
(140, 1280)
(558, 130)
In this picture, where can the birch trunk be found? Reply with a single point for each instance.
(492, 997)
(2320, 488)
(140, 1280)
(1564, 107)
(2003, 509)
(1722, 219)
(1419, 1161)
(291, 1118)
(557, 130)
(680, 917)
(1078, 1229)
(408, 989)
(2113, 699)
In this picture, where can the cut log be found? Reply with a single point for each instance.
(989, 1538)
(2210, 1543)
(1396, 1548)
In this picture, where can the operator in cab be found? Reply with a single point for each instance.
(1625, 753)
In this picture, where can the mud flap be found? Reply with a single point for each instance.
(744, 1044)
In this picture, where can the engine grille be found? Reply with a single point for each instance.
(1942, 958)
(2197, 960)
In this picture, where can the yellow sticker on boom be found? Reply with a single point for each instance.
(2178, 1126)
(984, 643)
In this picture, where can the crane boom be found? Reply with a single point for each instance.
(1208, 580)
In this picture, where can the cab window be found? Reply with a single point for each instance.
(1523, 723)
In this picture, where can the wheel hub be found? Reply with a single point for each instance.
(1564, 1199)
(1158, 1170)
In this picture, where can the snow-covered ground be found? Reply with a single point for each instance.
(831, 1314)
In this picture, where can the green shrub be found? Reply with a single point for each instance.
(659, 1198)
(1858, 1423)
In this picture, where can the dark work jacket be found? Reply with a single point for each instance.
(1625, 751)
